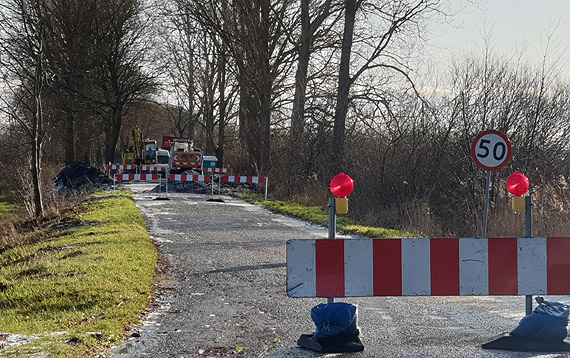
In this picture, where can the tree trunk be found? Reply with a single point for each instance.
(342, 101)
(36, 176)
(265, 97)
(70, 124)
(297, 117)
(113, 133)
(222, 111)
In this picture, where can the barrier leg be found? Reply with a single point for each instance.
(212, 182)
(266, 180)
(332, 228)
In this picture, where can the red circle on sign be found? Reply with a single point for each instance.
(491, 150)
(342, 185)
(517, 184)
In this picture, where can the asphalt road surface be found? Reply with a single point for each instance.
(223, 294)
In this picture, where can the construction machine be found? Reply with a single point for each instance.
(144, 151)
(183, 155)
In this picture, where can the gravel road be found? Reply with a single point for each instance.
(223, 294)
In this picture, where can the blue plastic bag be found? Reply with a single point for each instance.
(547, 323)
(334, 318)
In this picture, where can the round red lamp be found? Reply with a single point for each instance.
(342, 185)
(517, 184)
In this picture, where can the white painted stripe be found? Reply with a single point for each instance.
(178, 177)
(301, 268)
(231, 179)
(416, 276)
(200, 178)
(242, 179)
(473, 267)
(358, 268)
(532, 266)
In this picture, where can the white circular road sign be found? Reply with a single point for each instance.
(491, 150)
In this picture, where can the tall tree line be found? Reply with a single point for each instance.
(75, 65)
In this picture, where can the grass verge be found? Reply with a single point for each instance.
(75, 288)
(319, 215)
(8, 203)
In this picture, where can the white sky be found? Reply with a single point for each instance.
(512, 25)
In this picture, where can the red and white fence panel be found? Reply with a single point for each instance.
(240, 179)
(218, 170)
(137, 177)
(428, 267)
(192, 178)
(123, 167)
(152, 168)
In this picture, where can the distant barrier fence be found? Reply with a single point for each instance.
(218, 170)
(183, 177)
(428, 267)
(138, 168)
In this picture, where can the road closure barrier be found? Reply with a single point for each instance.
(152, 168)
(191, 178)
(241, 179)
(245, 179)
(123, 167)
(137, 177)
(138, 168)
(217, 170)
(428, 267)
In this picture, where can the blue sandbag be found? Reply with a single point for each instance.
(334, 319)
(547, 323)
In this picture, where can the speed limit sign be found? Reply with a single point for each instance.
(491, 150)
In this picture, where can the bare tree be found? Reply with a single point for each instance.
(24, 74)
(304, 48)
(252, 32)
(120, 47)
(199, 81)
(396, 19)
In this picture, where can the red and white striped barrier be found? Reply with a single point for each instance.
(137, 177)
(239, 179)
(123, 167)
(428, 267)
(194, 178)
(217, 170)
(152, 168)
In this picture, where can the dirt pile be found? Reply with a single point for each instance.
(80, 176)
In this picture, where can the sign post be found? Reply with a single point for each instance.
(341, 186)
(518, 185)
(491, 150)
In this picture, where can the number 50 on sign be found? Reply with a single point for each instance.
(491, 150)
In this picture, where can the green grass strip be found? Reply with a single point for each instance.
(8, 203)
(320, 215)
(91, 273)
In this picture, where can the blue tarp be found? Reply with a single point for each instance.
(334, 318)
(547, 323)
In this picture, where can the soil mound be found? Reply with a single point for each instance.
(80, 176)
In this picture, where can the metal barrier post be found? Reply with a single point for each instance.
(528, 233)
(332, 229)
(266, 180)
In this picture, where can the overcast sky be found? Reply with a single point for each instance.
(513, 24)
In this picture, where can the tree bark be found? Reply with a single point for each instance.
(113, 133)
(297, 117)
(344, 82)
